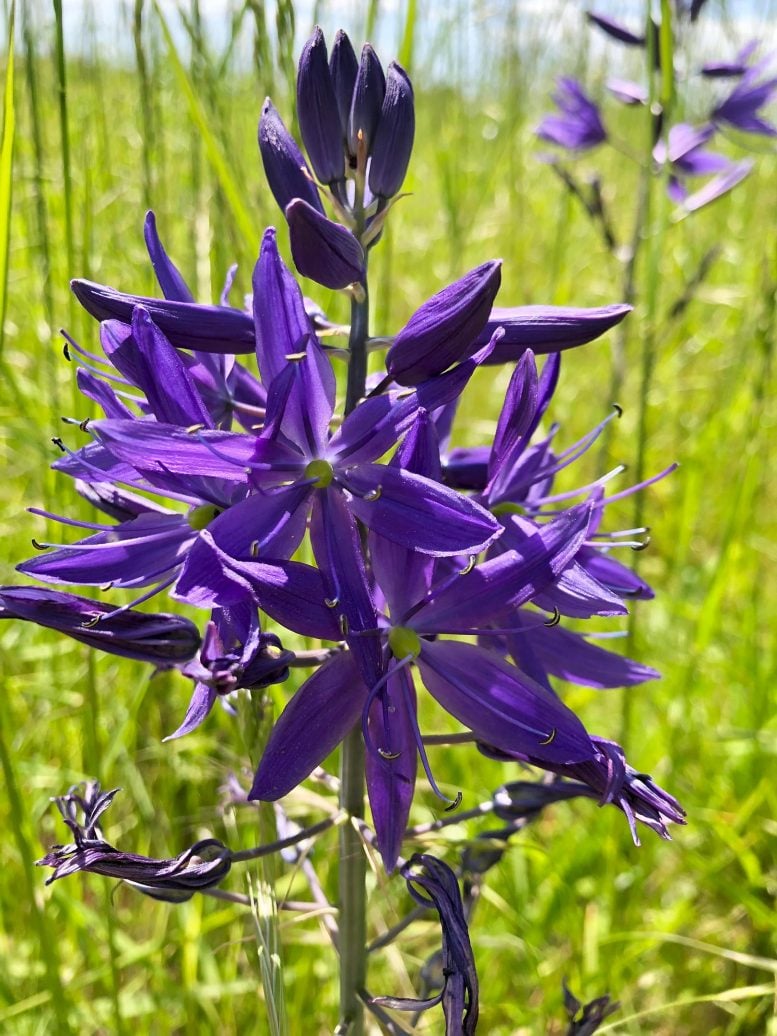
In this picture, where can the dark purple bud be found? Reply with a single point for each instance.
(585, 1019)
(165, 640)
(284, 165)
(317, 110)
(174, 880)
(368, 93)
(343, 68)
(325, 251)
(446, 328)
(616, 30)
(394, 137)
(523, 800)
(188, 325)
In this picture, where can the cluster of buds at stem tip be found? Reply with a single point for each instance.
(357, 124)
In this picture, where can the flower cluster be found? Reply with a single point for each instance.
(265, 497)
(679, 148)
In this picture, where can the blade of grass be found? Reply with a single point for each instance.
(6, 176)
(234, 196)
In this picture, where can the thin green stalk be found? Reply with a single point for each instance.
(17, 832)
(6, 177)
(353, 862)
(64, 130)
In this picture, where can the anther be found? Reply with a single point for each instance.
(295, 357)
(253, 550)
(618, 410)
(555, 620)
(468, 567)
(385, 754)
(550, 738)
(344, 627)
(373, 495)
(83, 425)
(66, 352)
(89, 623)
(194, 428)
(106, 587)
(39, 546)
(58, 442)
(642, 546)
(455, 804)
(331, 602)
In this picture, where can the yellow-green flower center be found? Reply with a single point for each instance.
(201, 517)
(507, 508)
(403, 642)
(322, 471)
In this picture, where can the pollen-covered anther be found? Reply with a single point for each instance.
(404, 642)
(106, 587)
(384, 753)
(618, 409)
(550, 738)
(373, 495)
(295, 357)
(455, 804)
(322, 471)
(89, 623)
(253, 550)
(66, 352)
(642, 546)
(331, 602)
(39, 546)
(469, 566)
(554, 620)
(344, 625)
(58, 442)
(194, 428)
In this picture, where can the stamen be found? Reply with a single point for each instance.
(194, 428)
(555, 620)
(90, 623)
(550, 738)
(295, 357)
(66, 352)
(40, 546)
(455, 804)
(253, 550)
(106, 586)
(469, 566)
(618, 410)
(344, 626)
(58, 442)
(373, 495)
(385, 754)
(641, 546)
(331, 602)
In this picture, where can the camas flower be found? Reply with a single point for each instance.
(742, 106)
(579, 126)
(174, 880)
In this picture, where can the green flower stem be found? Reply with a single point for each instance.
(352, 913)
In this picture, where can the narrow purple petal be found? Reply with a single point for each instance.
(391, 767)
(718, 186)
(516, 419)
(344, 68)
(418, 513)
(501, 705)
(325, 251)
(282, 324)
(173, 286)
(616, 30)
(188, 325)
(447, 328)
(311, 726)
(545, 329)
(202, 701)
(338, 552)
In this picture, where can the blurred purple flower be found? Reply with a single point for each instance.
(685, 154)
(740, 109)
(579, 126)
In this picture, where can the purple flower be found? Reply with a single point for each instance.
(164, 640)
(610, 777)
(579, 126)
(731, 69)
(685, 154)
(174, 880)
(585, 1019)
(741, 108)
(432, 883)
(235, 653)
(616, 30)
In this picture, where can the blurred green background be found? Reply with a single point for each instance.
(134, 105)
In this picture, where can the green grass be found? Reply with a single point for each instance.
(681, 933)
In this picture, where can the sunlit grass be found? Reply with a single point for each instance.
(681, 933)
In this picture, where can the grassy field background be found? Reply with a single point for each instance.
(682, 933)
